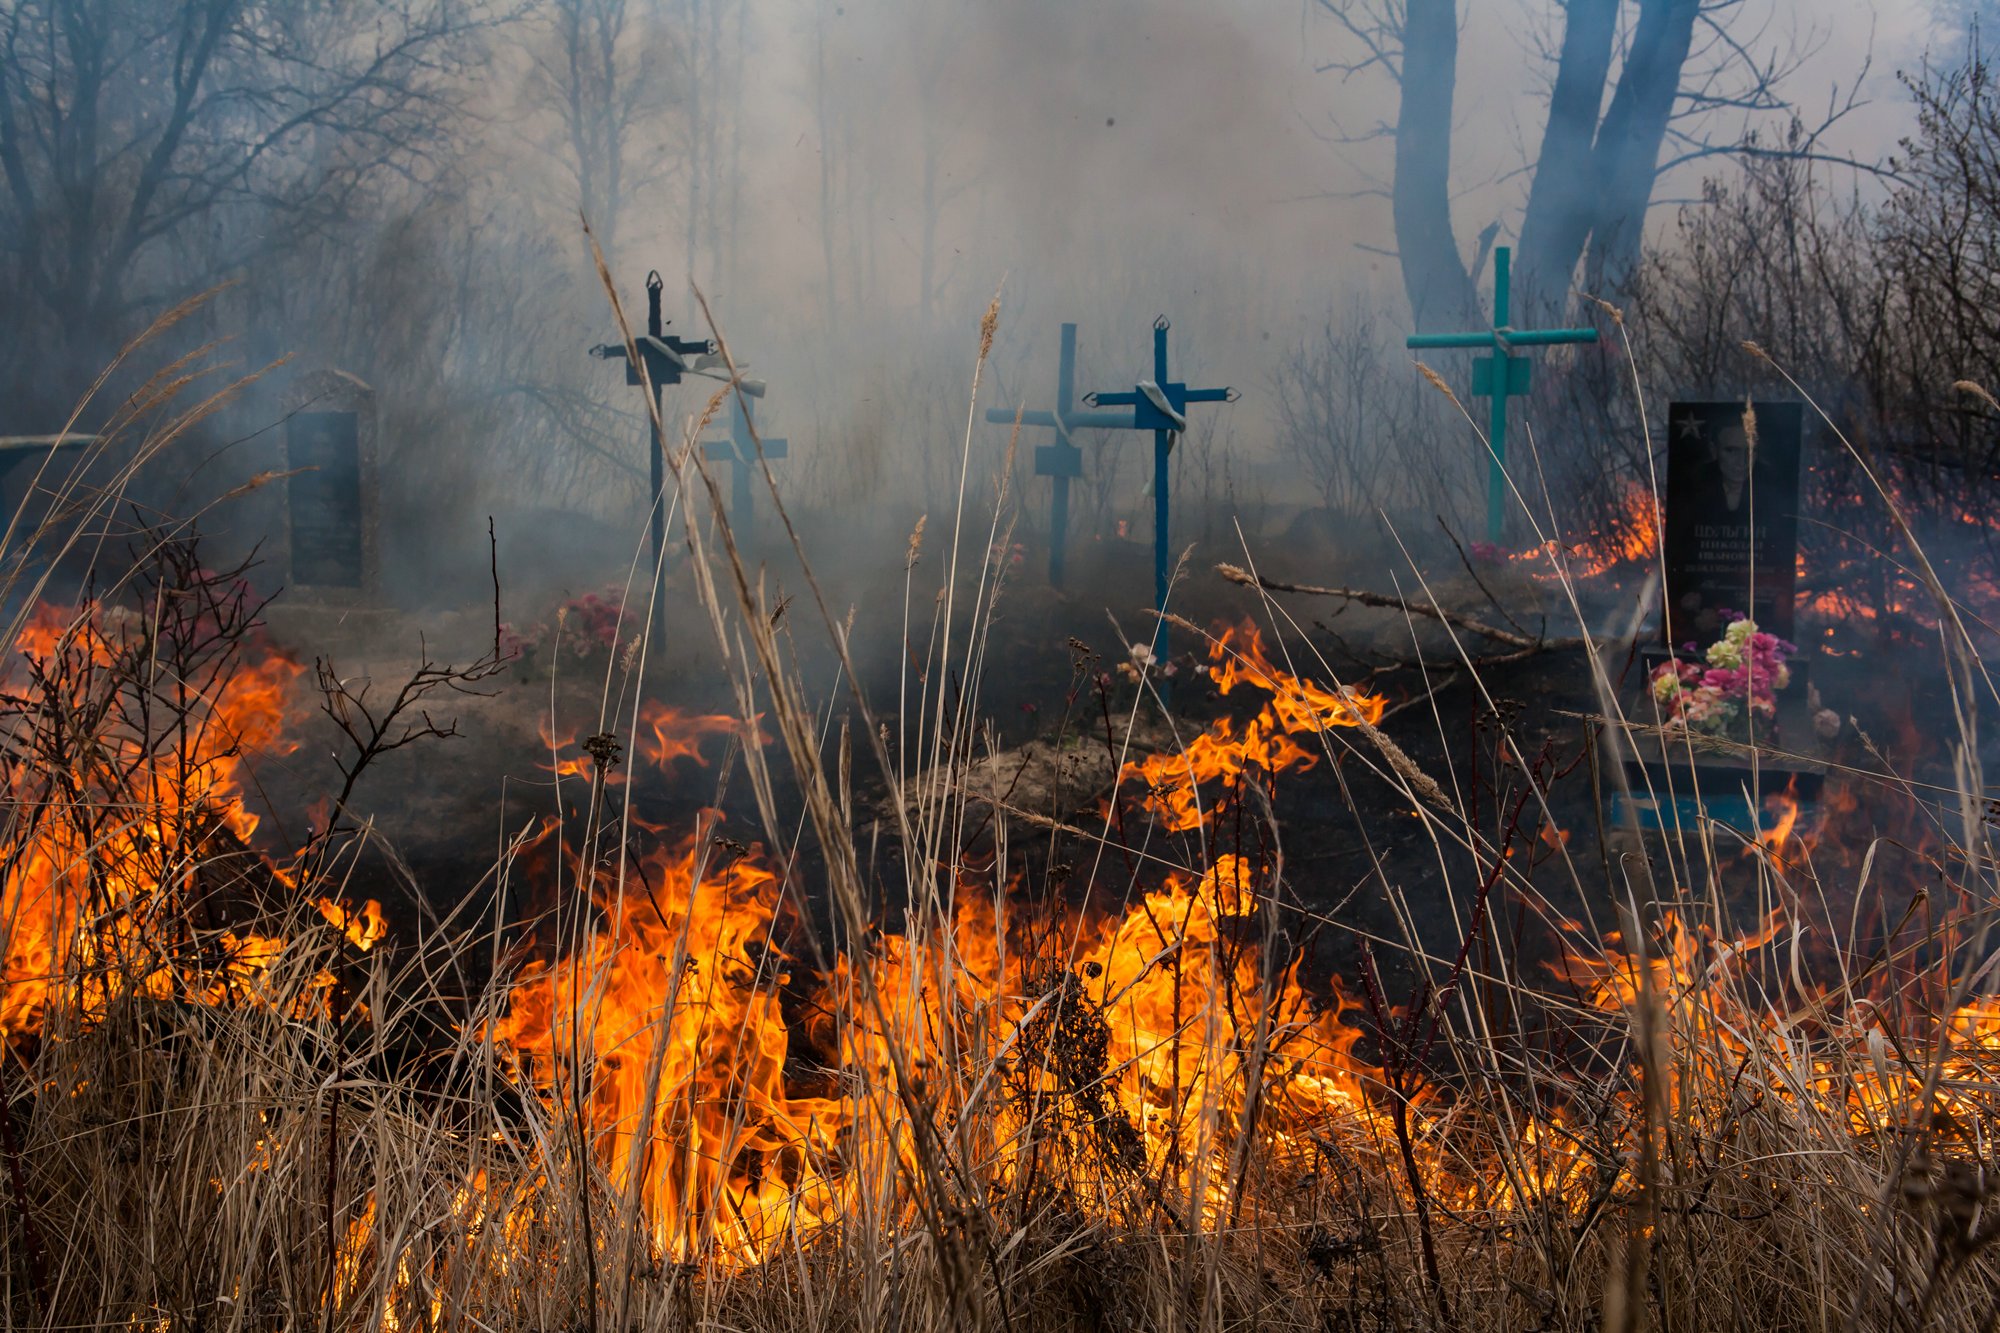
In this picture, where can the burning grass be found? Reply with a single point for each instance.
(231, 1097)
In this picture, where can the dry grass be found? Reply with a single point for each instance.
(1691, 1133)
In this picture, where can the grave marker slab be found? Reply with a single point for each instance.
(1717, 558)
(1730, 544)
(331, 512)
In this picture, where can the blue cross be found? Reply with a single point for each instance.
(1061, 461)
(1501, 376)
(1160, 406)
(740, 452)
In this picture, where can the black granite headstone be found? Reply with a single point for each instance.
(326, 499)
(330, 501)
(1732, 517)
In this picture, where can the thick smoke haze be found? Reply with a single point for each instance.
(851, 181)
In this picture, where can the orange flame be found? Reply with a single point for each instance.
(106, 839)
(742, 1102)
(1297, 707)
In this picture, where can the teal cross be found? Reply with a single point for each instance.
(1501, 376)
(740, 452)
(1062, 460)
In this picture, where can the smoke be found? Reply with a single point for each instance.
(849, 181)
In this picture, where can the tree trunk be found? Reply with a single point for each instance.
(1434, 276)
(1628, 143)
(1562, 202)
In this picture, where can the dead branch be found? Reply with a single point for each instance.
(1426, 609)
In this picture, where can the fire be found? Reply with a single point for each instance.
(1137, 1036)
(106, 839)
(664, 735)
(1774, 838)
(667, 733)
(364, 927)
(562, 764)
(696, 1068)
(1297, 707)
(1857, 1071)
(667, 1023)
(1118, 1054)
(1629, 535)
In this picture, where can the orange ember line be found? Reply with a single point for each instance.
(1630, 536)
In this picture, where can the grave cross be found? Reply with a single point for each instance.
(1061, 461)
(665, 360)
(1160, 406)
(740, 452)
(1500, 376)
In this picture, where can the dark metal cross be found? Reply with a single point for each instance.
(740, 452)
(1160, 406)
(1061, 461)
(665, 360)
(1501, 376)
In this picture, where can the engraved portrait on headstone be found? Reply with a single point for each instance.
(1731, 539)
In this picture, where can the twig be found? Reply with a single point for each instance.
(1470, 568)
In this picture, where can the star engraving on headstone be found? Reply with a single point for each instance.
(1693, 427)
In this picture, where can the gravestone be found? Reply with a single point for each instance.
(1731, 540)
(331, 538)
(1730, 544)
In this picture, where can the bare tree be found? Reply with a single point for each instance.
(151, 148)
(1693, 79)
(605, 76)
(1351, 416)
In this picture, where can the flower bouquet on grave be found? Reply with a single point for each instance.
(581, 638)
(1730, 690)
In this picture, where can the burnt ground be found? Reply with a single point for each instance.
(1348, 836)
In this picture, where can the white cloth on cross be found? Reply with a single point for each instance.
(1159, 399)
(674, 358)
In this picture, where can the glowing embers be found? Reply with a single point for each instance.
(1297, 707)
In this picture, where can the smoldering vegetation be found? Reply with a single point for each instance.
(862, 931)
